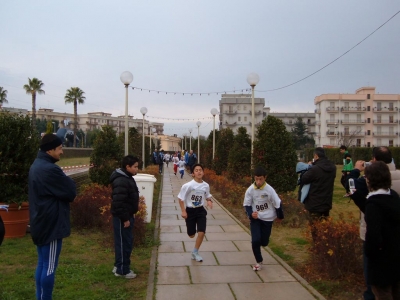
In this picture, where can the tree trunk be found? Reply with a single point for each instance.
(76, 121)
(34, 110)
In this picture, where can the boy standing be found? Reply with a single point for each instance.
(262, 206)
(194, 194)
(124, 205)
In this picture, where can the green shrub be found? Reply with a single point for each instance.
(19, 145)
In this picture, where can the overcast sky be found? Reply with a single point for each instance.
(195, 46)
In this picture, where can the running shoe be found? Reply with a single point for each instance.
(196, 256)
(257, 267)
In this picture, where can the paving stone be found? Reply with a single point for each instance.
(229, 236)
(244, 245)
(194, 292)
(171, 247)
(212, 246)
(173, 275)
(168, 204)
(242, 258)
(170, 212)
(175, 237)
(275, 273)
(169, 217)
(221, 216)
(170, 229)
(223, 274)
(232, 228)
(221, 222)
(185, 259)
(271, 291)
(171, 222)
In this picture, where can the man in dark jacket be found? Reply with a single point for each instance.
(321, 178)
(124, 205)
(192, 159)
(50, 192)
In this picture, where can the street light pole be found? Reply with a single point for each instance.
(54, 126)
(143, 111)
(190, 140)
(198, 139)
(126, 78)
(214, 111)
(252, 79)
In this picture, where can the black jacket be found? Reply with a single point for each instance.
(321, 178)
(125, 195)
(382, 241)
(50, 192)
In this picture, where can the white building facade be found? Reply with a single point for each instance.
(363, 119)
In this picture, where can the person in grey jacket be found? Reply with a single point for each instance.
(50, 194)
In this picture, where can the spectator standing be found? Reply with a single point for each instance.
(192, 160)
(347, 167)
(50, 194)
(321, 178)
(160, 161)
(382, 239)
(124, 206)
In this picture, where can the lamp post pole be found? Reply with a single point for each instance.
(252, 79)
(214, 111)
(143, 111)
(54, 126)
(190, 139)
(126, 78)
(198, 139)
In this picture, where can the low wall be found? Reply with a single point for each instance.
(76, 152)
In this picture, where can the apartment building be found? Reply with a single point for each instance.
(235, 111)
(289, 119)
(363, 119)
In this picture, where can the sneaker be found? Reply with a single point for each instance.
(196, 256)
(346, 195)
(114, 270)
(257, 267)
(130, 275)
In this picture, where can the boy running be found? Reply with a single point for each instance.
(262, 206)
(194, 194)
(181, 166)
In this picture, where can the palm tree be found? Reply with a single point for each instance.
(75, 95)
(3, 96)
(35, 86)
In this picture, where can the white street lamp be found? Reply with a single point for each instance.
(155, 140)
(143, 111)
(54, 126)
(152, 129)
(214, 111)
(252, 79)
(190, 141)
(126, 78)
(198, 139)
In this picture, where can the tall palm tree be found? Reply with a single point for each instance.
(75, 95)
(34, 86)
(3, 96)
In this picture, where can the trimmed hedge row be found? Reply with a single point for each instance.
(76, 152)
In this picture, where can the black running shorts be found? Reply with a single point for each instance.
(196, 217)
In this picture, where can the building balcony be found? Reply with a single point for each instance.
(317, 111)
(332, 133)
(316, 123)
(256, 112)
(332, 109)
(385, 109)
(352, 121)
(385, 122)
(92, 123)
(332, 122)
(352, 109)
(230, 124)
(230, 112)
(387, 134)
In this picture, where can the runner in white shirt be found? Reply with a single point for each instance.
(181, 166)
(194, 196)
(175, 160)
(263, 206)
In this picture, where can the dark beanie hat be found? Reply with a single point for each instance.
(49, 141)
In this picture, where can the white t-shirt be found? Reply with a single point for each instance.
(194, 194)
(175, 159)
(263, 200)
(181, 165)
(167, 157)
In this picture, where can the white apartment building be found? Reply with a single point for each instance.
(289, 119)
(235, 111)
(363, 119)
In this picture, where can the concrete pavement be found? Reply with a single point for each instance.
(226, 271)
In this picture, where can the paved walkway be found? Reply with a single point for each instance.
(226, 271)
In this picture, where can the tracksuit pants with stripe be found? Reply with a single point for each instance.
(123, 243)
(46, 269)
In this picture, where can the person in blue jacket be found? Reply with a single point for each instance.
(50, 194)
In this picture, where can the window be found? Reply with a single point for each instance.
(379, 141)
(346, 117)
(358, 143)
(359, 105)
(332, 141)
(391, 106)
(368, 97)
(346, 131)
(368, 108)
(390, 143)
(238, 107)
(245, 119)
(368, 133)
(368, 144)
(332, 118)
(369, 120)
(358, 118)
(391, 132)
(332, 104)
(378, 119)
(391, 120)
(239, 119)
(346, 105)
(230, 108)
(379, 106)
(308, 121)
(244, 107)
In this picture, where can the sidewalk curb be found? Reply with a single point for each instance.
(300, 279)
(150, 295)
